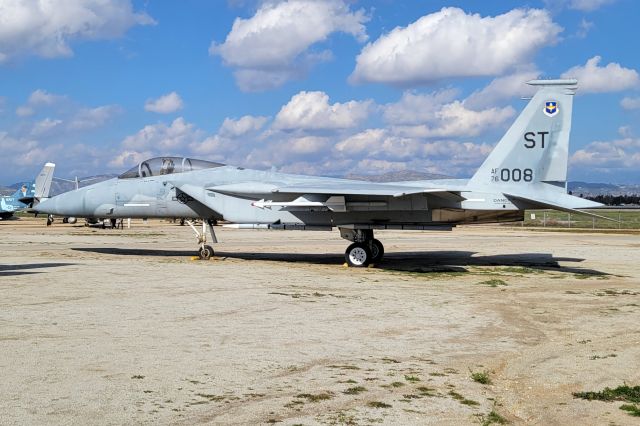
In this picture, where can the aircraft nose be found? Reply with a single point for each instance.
(67, 204)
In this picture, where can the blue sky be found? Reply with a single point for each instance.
(317, 87)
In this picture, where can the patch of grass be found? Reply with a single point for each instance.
(350, 381)
(411, 379)
(621, 393)
(462, 400)
(521, 270)
(632, 409)
(344, 367)
(584, 342)
(411, 396)
(322, 396)
(481, 377)
(397, 384)
(137, 377)
(378, 404)
(425, 391)
(494, 282)
(493, 418)
(355, 390)
(437, 374)
(211, 397)
(592, 357)
(390, 360)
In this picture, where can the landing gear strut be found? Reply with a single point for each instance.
(206, 251)
(364, 250)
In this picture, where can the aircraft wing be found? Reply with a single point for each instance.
(328, 188)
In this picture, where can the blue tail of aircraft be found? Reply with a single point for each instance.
(28, 193)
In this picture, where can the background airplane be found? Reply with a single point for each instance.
(527, 169)
(29, 192)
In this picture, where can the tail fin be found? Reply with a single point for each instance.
(43, 181)
(535, 149)
(25, 191)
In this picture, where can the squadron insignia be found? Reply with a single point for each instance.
(551, 108)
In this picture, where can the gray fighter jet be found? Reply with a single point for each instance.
(526, 170)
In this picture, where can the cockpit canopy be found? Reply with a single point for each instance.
(167, 166)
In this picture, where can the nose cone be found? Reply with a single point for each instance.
(67, 204)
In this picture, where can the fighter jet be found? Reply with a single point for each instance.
(28, 193)
(526, 170)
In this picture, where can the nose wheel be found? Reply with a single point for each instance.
(206, 251)
(358, 255)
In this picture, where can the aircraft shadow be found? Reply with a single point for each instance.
(24, 269)
(415, 261)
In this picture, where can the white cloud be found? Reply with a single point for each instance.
(437, 115)
(272, 46)
(610, 78)
(242, 126)
(455, 120)
(45, 126)
(414, 108)
(630, 103)
(502, 88)
(39, 98)
(171, 102)
(451, 43)
(89, 118)
(163, 139)
(46, 28)
(588, 5)
(312, 111)
(617, 154)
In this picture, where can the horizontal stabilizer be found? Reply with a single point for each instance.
(546, 204)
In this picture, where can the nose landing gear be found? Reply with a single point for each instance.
(206, 251)
(365, 249)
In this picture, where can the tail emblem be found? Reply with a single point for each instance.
(551, 108)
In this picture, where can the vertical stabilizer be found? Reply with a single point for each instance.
(535, 150)
(43, 181)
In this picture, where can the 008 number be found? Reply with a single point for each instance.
(516, 175)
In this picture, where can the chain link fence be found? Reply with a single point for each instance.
(628, 218)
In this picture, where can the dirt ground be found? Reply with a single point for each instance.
(123, 327)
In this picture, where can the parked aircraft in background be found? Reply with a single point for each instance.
(28, 193)
(526, 170)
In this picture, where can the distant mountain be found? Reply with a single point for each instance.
(7, 190)
(592, 189)
(399, 176)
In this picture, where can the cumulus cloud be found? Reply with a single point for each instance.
(171, 102)
(45, 126)
(502, 88)
(37, 99)
(610, 155)
(163, 138)
(593, 78)
(414, 108)
(588, 5)
(630, 103)
(47, 28)
(89, 118)
(451, 43)
(272, 46)
(437, 115)
(242, 126)
(312, 111)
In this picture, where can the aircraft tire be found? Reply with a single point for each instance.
(205, 252)
(358, 255)
(377, 251)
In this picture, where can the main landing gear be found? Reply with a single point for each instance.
(364, 250)
(206, 251)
